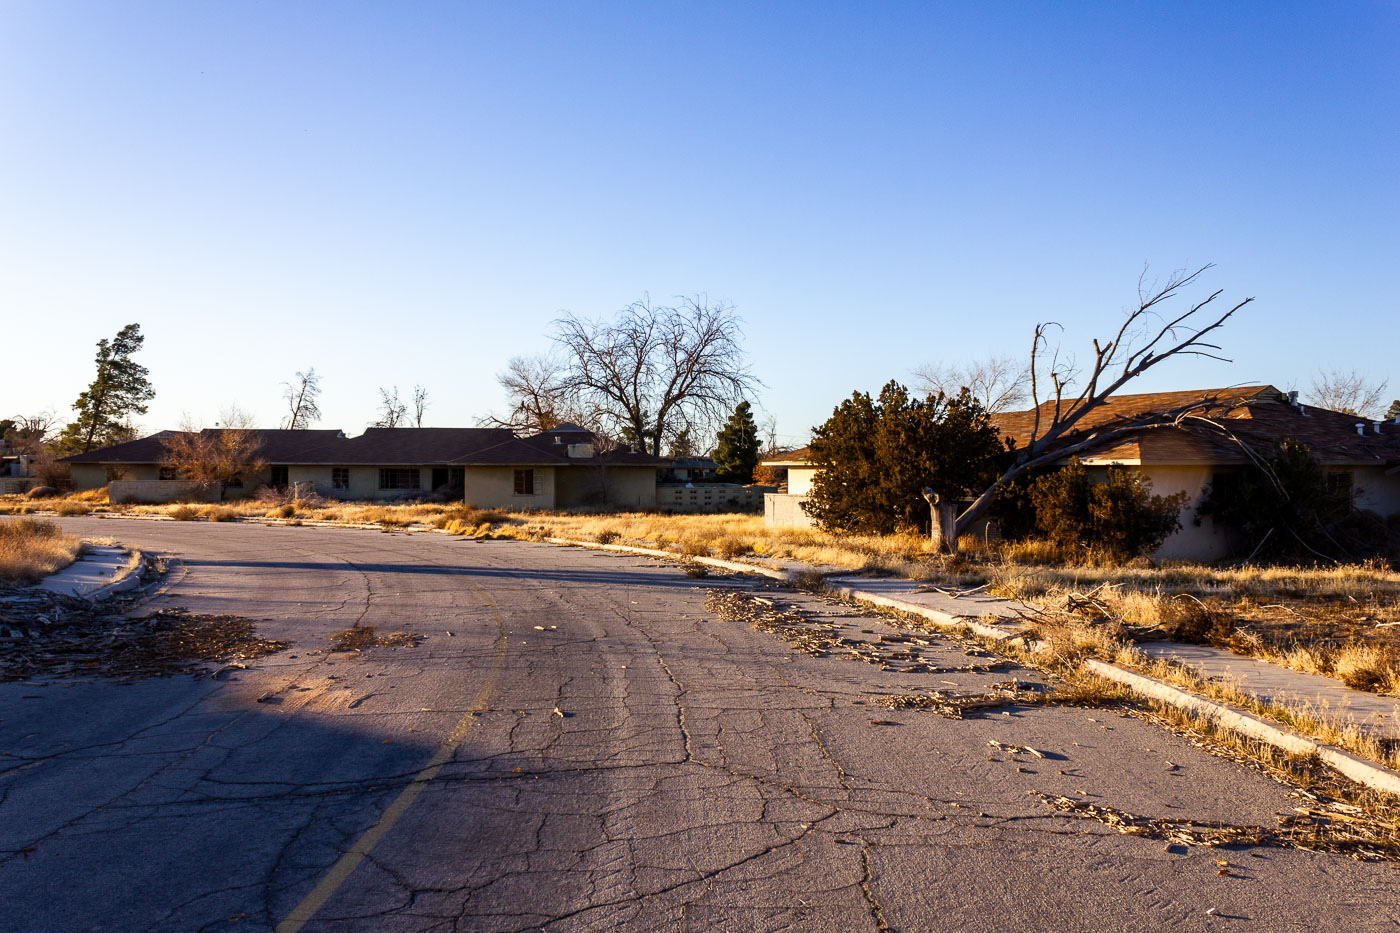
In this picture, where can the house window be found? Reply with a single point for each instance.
(398, 478)
(279, 477)
(524, 482)
(340, 477)
(169, 473)
(1341, 484)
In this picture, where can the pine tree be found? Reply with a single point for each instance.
(119, 391)
(736, 450)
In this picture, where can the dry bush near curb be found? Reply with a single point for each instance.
(72, 507)
(31, 549)
(184, 513)
(220, 513)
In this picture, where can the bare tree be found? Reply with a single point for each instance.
(392, 412)
(654, 370)
(535, 391)
(220, 458)
(1148, 336)
(999, 383)
(1349, 393)
(29, 434)
(300, 395)
(420, 405)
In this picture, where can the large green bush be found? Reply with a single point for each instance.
(877, 455)
(1118, 518)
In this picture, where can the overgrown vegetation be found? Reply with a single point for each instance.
(1287, 508)
(878, 455)
(1119, 518)
(30, 549)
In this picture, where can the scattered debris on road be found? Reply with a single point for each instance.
(48, 634)
(1328, 827)
(360, 637)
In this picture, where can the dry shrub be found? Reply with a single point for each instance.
(1368, 667)
(1190, 620)
(282, 511)
(731, 547)
(184, 513)
(31, 548)
(72, 507)
(694, 548)
(220, 513)
(607, 536)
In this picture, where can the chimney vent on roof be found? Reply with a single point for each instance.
(1293, 397)
(1377, 426)
(1361, 428)
(340, 435)
(558, 439)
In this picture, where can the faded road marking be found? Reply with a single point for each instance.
(348, 862)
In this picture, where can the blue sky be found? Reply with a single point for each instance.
(410, 193)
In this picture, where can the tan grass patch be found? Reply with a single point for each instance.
(31, 549)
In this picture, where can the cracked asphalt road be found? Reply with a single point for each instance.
(702, 775)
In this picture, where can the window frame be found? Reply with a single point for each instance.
(340, 477)
(524, 481)
(399, 477)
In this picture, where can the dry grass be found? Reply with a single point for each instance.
(30, 549)
(1341, 621)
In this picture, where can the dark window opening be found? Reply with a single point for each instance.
(279, 477)
(1341, 484)
(169, 473)
(399, 478)
(340, 477)
(524, 482)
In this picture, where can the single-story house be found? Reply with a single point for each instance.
(486, 467)
(1362, 455)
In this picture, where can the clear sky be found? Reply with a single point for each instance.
(400, 193)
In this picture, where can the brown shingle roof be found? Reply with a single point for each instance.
(1257, 415)
(800, 455)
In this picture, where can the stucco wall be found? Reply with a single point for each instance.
(1377, 492)
(88, 476)
(1192, 542)
(494, 488)
(800, 479)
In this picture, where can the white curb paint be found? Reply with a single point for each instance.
(1354, 767)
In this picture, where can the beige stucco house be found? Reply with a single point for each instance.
(1363, 455)
(485, 467)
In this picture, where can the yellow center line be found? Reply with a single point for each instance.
(351, 860)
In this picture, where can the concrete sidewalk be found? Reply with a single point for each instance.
(1371, 712)
(101, 569)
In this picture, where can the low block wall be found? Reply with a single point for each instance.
(154, 491)
(14, 485)
(708, 497)
(781, 510)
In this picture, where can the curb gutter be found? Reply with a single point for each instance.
(128, 582)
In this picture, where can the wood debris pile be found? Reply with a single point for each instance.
(820, 639)
(50, 635)
(1325, 827)
(360, 637)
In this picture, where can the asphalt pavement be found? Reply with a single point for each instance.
(578, 743)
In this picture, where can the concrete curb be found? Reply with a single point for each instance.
(937, 617)
(1354, 767)
(121, 585)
